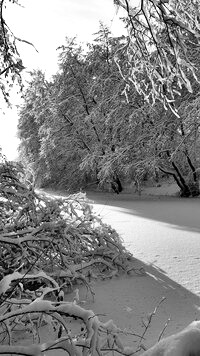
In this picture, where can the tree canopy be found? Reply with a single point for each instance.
(159, 62)
(80, 113)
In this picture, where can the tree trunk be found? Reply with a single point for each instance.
(186, 189)
(194, 184)
(194, 189)
(116, 184)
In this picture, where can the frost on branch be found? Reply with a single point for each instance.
(160, 53)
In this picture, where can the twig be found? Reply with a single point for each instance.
(163, 330)
(150, 317)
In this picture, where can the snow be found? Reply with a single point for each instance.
(185, 343)
(163, 235)
(162, 232)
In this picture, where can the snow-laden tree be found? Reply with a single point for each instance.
(35, 112)
(159, 62)
(11, 63)
(77, 120)
(157, 141)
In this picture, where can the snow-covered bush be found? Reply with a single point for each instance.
(47, 246)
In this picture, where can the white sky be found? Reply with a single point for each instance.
(46, 23)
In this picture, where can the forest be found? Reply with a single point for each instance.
(119, 110)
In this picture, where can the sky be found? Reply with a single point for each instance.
(46, 23)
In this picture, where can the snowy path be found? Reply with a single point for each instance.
(163, 232)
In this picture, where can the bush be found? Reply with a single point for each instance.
(47, 245)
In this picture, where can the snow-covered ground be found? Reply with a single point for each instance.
(163, 232)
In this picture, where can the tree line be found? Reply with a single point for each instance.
(83, 126)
